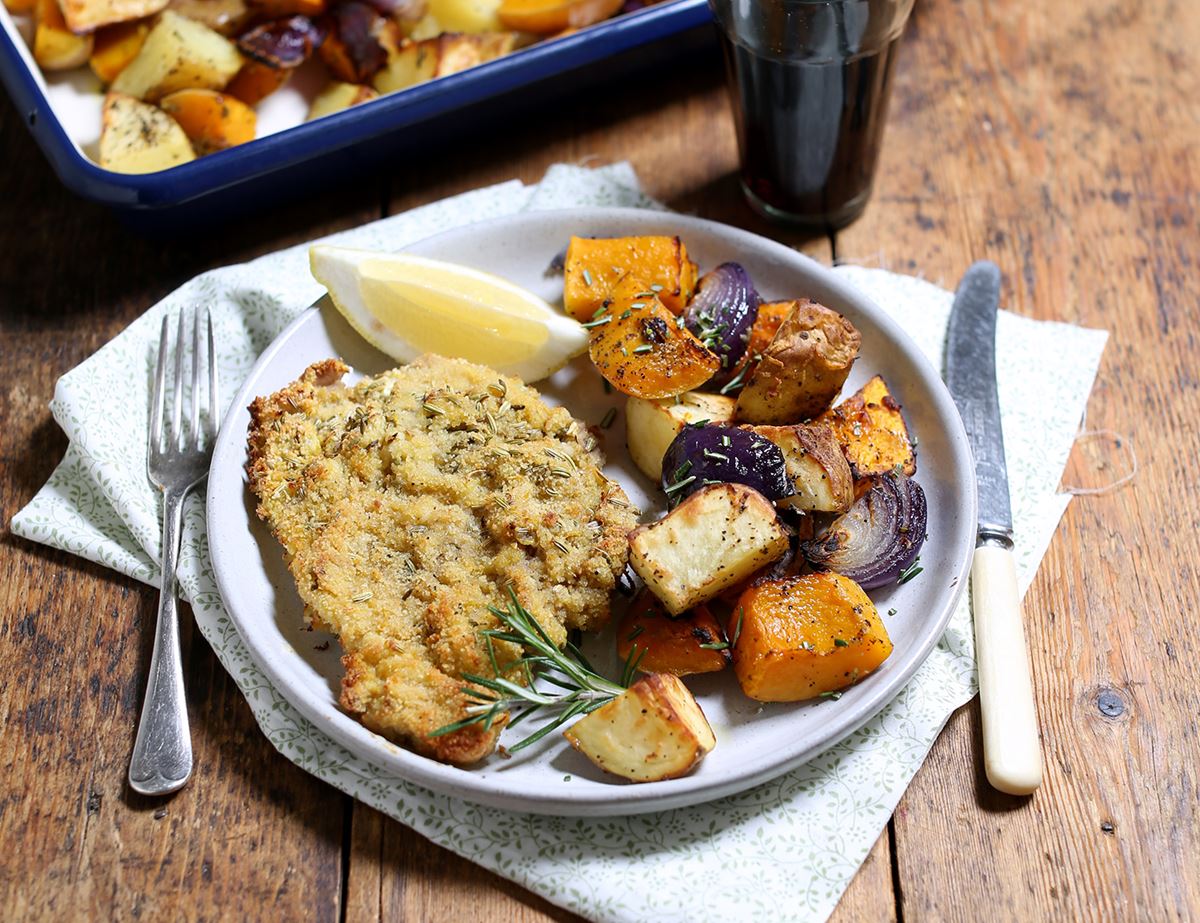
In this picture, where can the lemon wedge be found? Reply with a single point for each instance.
(407, 305)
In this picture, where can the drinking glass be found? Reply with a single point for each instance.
(809, 81)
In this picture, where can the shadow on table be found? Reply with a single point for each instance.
(987, 798)
(722, 200)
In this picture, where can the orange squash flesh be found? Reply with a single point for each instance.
(256, 81)
(671, 645)
(594, 268)
(212, 121)
(871, 431)
(805, 636)
(278, 9)
(767, 322)
(116, 46)
(545, 17)
(642, 350)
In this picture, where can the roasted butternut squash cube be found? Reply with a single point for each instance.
(545, 17)
(871, 430)
(805, 636)
(640, 349)
(654, 730)
(594, 268)
(715, 538)
(692, 643)
(115, 47)
(651, 426)
(767, 322)
(56, 47)
(256, 81)
(212, 121)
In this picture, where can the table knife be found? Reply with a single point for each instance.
(1012, 754)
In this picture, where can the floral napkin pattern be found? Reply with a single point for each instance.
(795, 842)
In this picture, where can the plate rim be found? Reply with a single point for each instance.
(621, 799)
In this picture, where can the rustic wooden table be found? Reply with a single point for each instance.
(1060, 140)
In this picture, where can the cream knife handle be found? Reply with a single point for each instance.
(1012, 752)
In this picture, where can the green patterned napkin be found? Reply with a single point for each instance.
(795, 842)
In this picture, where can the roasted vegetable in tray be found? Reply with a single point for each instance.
(246, 50)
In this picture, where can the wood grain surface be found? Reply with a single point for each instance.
(1060, 140)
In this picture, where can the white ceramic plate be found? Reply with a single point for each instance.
(754, 742)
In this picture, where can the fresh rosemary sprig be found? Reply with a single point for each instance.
(583, 690)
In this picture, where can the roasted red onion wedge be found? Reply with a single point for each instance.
(702, 455)
(878, 538)
(282, 43)
(722, 313)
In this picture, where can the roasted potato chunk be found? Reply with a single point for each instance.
(639, 348)
(871, 430)
(55, 47)
(212, 121)
(594, 268)
(654, 730)
(718, 536)
(338, 96)
(84, 16)
(816, 465)
(802, 369)
(136, 137)
(413, 62)
(178, 54)
(227, 17)
(692, 643)
(651, 426)
(469, 16)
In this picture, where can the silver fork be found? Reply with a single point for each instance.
(176, 461)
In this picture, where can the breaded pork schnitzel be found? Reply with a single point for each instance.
(408, 503)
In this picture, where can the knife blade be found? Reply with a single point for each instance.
(1011, 746)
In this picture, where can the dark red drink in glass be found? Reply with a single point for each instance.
(809, 81)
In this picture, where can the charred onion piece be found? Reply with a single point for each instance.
(356, 51)
(702, 455)
(282, 43)
(878, 538)
(722, 313)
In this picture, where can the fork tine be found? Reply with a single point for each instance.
(156, 404)
(214, 402)
(177, 408)
(197, 379)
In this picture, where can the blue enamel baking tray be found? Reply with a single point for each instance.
(344, 143)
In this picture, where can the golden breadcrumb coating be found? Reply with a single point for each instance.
(407, 504)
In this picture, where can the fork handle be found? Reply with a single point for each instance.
(162, 754)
